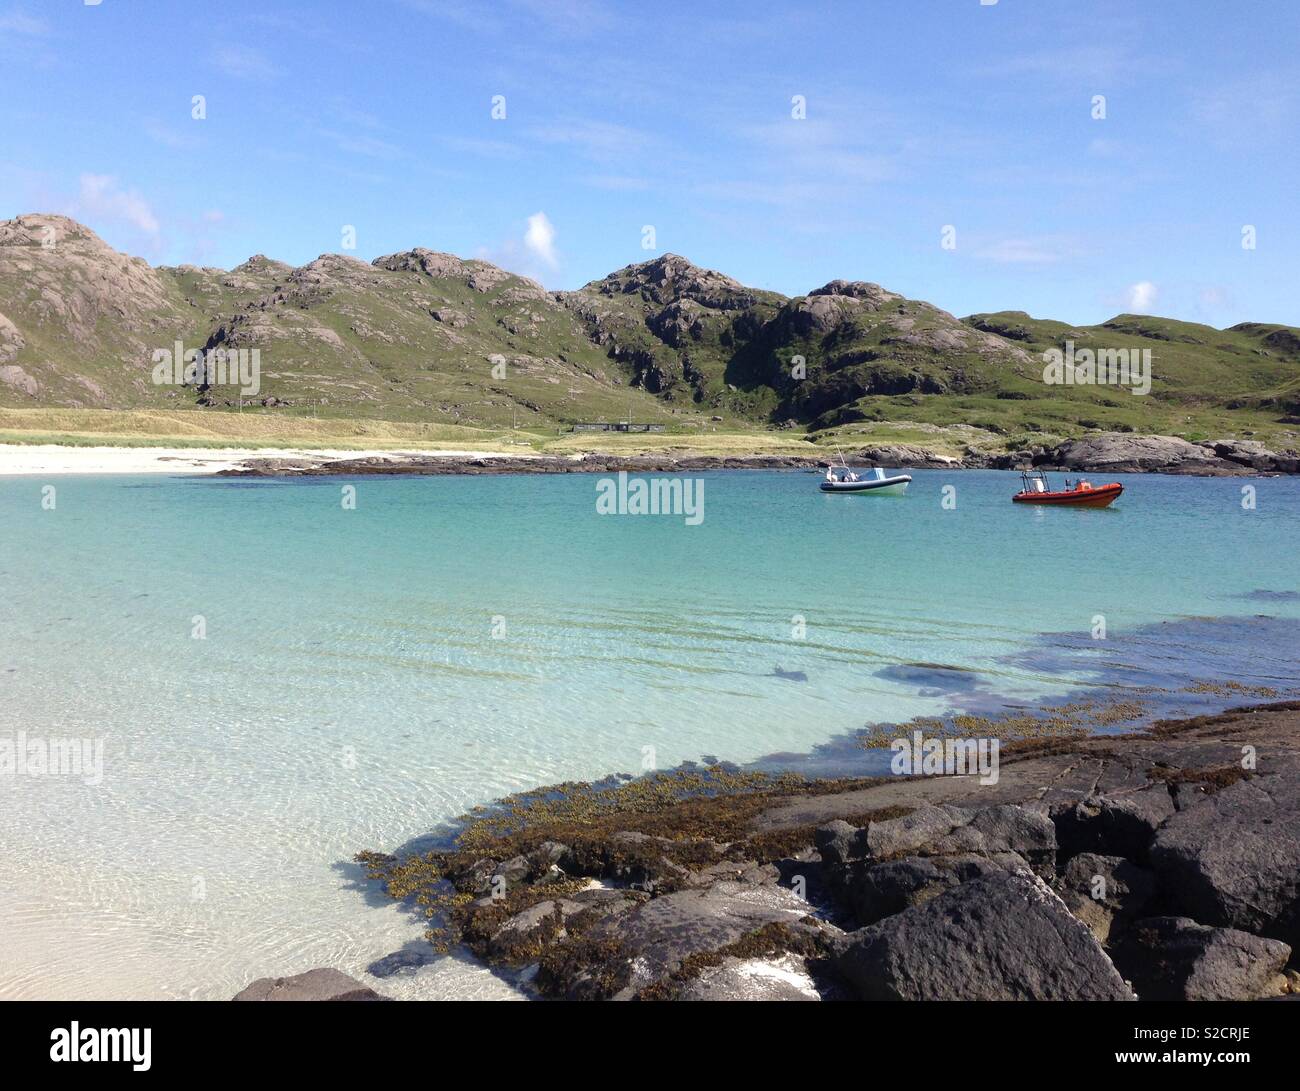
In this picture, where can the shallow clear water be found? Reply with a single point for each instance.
(368, 674)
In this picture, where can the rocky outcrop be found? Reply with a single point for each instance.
(667, 279)
(11, 341)
(942, 831)
(902, 456)
(1117, 452)
(320, 984)
(1174, 958)
(1233, 860)
(12, 375)
(663, 934)
(1254, 455)
(1094, 869)
(1002, 936)
(889, 456)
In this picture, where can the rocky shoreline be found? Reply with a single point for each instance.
(1101, 453)
(1157, 865)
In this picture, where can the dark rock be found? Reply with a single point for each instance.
(323, 983)
(549, 854)
(1004, 936)
(876, 891)
(837, 842)
(515, 870)
(1174, 958)
(1105, 892)
(525, 932)
(943, 831)
(408, 958)
(901, 836)
(1002, 829)
(658, 935)
(478, 880)
(1233, 860)
(1113, 825)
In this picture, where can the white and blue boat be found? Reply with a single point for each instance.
(873, 482)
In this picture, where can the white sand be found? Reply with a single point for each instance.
(54, 459)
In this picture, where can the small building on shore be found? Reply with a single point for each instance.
(615, 426)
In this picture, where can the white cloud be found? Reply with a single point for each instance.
(362, 144)
(16, 22)
(1241, 112)
(1026, 251)
(616, 182)
(540, 239)
(243, 63)
(101, 198)
(1140, 298)
(600, 141)
(171, 137)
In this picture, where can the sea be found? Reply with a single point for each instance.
(262, 676)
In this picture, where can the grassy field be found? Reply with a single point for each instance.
(197, 428)
(987, 424)
(200, 429)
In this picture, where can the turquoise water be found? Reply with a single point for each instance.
(367, 674)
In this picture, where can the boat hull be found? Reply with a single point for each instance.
(1098, 497)
(890, 486)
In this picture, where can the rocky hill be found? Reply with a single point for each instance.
(421, 335)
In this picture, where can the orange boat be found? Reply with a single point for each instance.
(1080, 494)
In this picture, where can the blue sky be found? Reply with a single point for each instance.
(919, 115)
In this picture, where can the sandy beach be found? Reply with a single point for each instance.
(55, 459)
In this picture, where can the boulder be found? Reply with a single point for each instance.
(659, 935)
(323, 983)
(1006, 828)
(876, 891)
(1105, 892)
(1246, 452)
(900, 836)
(1174, 958)
(1121, 452)
(1004, 936)
(837, 841)
(512, 871)
(1233, 860)
(409, 958)
(524, 933)
(942, 831)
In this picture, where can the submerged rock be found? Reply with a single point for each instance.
(324, 983)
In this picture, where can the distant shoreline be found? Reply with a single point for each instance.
(289, 461)
(46, 459)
